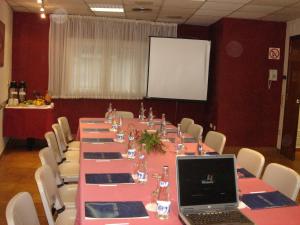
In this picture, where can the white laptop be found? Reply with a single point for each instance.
(207, 190)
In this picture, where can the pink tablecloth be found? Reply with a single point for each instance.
(142, 192)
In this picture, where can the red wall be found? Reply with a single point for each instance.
(239, 102)
(246, 110)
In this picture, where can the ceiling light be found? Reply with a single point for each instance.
(106, 8)
(39, 1)
(42, 9)
(43, 15)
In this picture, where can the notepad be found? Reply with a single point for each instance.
(267, 200)
(95, 129)
(92, 121)
(108, 178)
(111, 210)
(97, 140)
(102, 155)
(243, 173)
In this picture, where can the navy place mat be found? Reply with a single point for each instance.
(243, 173)
(189, 140)
(105, 210)
(97, 140)
(171, 130)
(266, 200)
(95, 129)
(102, 155)
(92, 121)
(211, 153)
(108, 178)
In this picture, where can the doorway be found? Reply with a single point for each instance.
(292, 100)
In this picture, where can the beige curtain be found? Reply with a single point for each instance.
(92, 57)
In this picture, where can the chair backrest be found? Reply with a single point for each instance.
(283, 179)
(47, 158)
(216, 141)
(251, 160)
(59, 137)
(64, 124)
(185, 123)
(53, 145)
(20, 210)
(48, 192)
(195, 130)
(123, 114)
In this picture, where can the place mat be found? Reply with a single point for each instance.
(95, 129)
(243, 173)
(102, 155)
(92, 121)
(171, 130)
(106, 210)
(98, 140)
(185, 140)
(108, 178)
(266, 200)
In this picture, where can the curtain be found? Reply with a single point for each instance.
(93, 57)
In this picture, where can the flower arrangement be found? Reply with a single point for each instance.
(152, 142)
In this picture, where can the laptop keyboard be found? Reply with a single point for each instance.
(218, 217)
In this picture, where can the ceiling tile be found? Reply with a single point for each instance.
(230, 1)
(187, 4)
(110, 14)
(259, 8)
(248, 15)
(168, 20)
(202, 20)
(176, 11)
(280, 17)
(274, 2)
(222, 13)
(220, 6)
(144, 3)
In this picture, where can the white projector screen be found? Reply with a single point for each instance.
(178, 68)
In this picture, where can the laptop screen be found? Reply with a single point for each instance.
(206, 180)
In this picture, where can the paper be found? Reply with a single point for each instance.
(110, 210)
(95, 130)
(243, 173)
(102, 155)
(108, 178)
(267, 200)
(97, 140)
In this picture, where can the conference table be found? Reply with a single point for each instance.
(142, 192)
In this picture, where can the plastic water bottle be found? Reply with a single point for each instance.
(163, 126)
(109, 113)
(200, 145)
(178, 129)
(150, 118)
(142, 175)
(142, 112)
(131, 150)
(163, 198)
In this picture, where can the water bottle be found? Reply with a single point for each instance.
(142, 112)
(178, 129)
(179, 142)
(109, 113)
(163, 198)
(200, 145)
(150, 118)
(163, 126)
(142, 175)
(131, 150)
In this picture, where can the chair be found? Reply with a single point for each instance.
(216, 141)
(69, 155)
(68, 138)
(20, 210)
(65, 172)
(251, 160)
(123, 114)
(52, 199)
(195, 130)
(282, 178)
(185, 123)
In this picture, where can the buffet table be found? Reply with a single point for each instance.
(23, 122)
(142, 192)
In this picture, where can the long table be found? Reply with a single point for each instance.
(142, 192)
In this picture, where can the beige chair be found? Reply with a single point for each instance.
(68, 138)
(251, 160)
(283, 179)
(123, 114)
(58, 152)
(69, 155)
(51, 196)
(65, 172)
(185, 123)
(216, 141)
(20, 210)
(195, 130)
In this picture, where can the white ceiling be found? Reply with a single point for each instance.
(195, 12)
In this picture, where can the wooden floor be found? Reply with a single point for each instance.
(18, 164)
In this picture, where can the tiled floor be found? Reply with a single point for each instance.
(17, 167)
